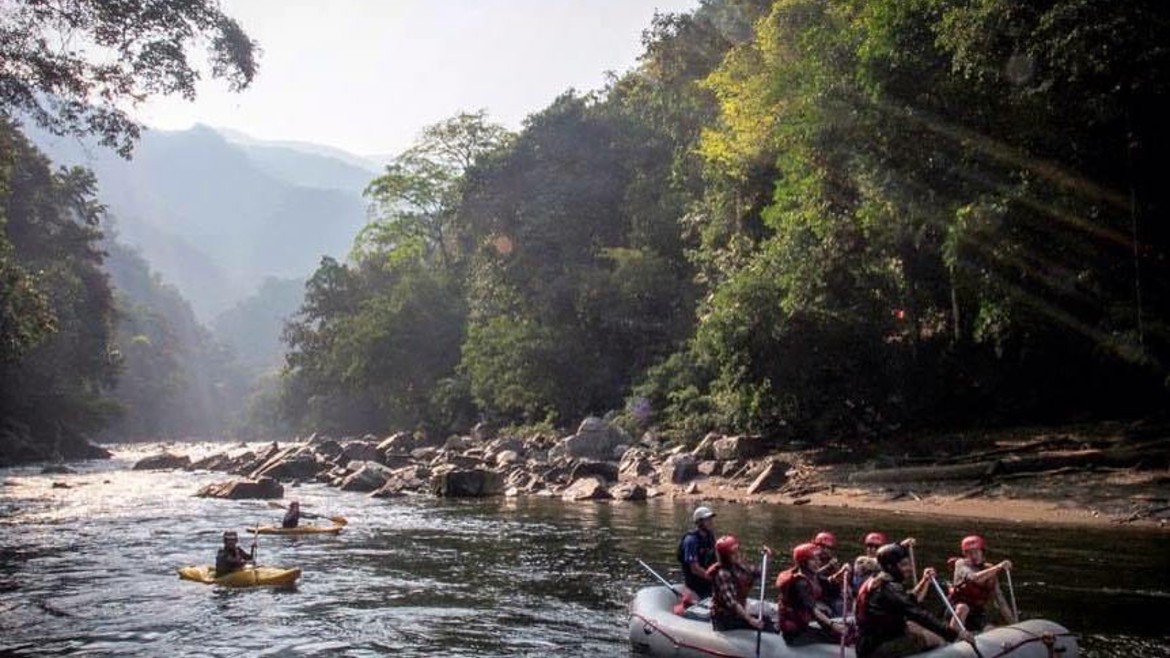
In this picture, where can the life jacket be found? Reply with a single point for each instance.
(794, 618)
(743, 585)
(706, 549)
(876, 622)
(974, 594)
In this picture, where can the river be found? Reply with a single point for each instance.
(87, 567)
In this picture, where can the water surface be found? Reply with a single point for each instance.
(90, 570)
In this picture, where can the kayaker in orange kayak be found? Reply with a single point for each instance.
(231, 557)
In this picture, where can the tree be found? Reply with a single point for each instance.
(72, 65)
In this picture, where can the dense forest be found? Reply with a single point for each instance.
(827, 219)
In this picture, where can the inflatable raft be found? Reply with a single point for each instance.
(655, 630)
(247, 577)
(299, 530)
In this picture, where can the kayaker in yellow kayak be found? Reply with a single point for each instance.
(293, 516)
(231, 557)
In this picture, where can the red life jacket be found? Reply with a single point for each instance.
(794, 618)
(743, 585)
(974, 594)
(876, 622)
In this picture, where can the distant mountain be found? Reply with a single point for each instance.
(218, 216)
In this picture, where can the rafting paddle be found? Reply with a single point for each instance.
(763, 584)
(951, 609)
(338, 520)
(1012, 594)
(655, 574)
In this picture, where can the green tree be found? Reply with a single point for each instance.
(71, 65)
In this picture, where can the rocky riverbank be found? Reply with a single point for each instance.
(1099, 474)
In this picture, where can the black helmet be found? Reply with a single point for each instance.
(889, 556)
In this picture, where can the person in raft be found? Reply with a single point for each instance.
(890, 622)
(731, 580)
(293, 516)
(800, 588)
(231, 557)
(867, 565)
(696, 554)
(976, 584)
(831, 573)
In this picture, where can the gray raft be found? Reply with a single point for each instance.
(655, 630)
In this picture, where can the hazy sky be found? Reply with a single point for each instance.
(367, 75)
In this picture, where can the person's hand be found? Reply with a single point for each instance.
(756, 623)
(929, 573)
(908, 542)
(838, 627)
(1005, 565)
(966, 636)
(767, 550)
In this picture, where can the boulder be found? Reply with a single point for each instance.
(606, 471)
(262, 489)
(740, 447)
(595, 439)
(473, 483)
(359, 451)
(630, 491)
(366, 476)
(162, 462)
(706, 448)
(303, 465)
(327, 449)
(506, 458)
(589, 488)
(58, 469)
(274, 459)
(679, 468)
(399, 443)
(774, 476)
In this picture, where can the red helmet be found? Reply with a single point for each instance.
(876, 539)
(725, 546)
(972, 542)
(804, 553)
(825, 539)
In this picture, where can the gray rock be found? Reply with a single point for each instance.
(589, 488)
(467, 483)
(262, 489)
(162, 462)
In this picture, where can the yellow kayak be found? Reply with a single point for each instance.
(299, 530)
(246, 577)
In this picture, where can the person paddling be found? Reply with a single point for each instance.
(731, 580)
(800, 589)
(831, 573)
(976, 584)
(292, 517)
(885, 612)
(231, 557)
(867, 565)
(696, 554)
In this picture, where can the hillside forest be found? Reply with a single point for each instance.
(833, 220)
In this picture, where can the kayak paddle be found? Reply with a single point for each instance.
(338, 520)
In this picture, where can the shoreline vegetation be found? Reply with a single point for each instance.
(1103, 474)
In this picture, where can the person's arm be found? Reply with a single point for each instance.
(1004, 608)
(917, 613)
(805, 599)
(691, 556)
(728, 595)
(985, 576)
(920, 590)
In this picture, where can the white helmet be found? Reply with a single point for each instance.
(702, 513)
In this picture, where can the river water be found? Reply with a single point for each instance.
(90, 570)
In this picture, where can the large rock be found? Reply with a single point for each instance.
(740, 447)
(636, 463)
(367, 476)
(359, 451)
(774, 476)
(303, 465)
(595, 439)
(400, 443)
(606, 471)
(262, 489)
(679, 468)
(589, 488)
(706, 448)
(628, 491)
(162, 462)
(473, 483)
(274, 459)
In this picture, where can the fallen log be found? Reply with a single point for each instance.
(977, 471)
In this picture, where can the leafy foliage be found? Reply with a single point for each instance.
(71, 66)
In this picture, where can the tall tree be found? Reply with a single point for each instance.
(73, 65)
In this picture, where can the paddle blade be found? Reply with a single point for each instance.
(276, 505)
(339, 520)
